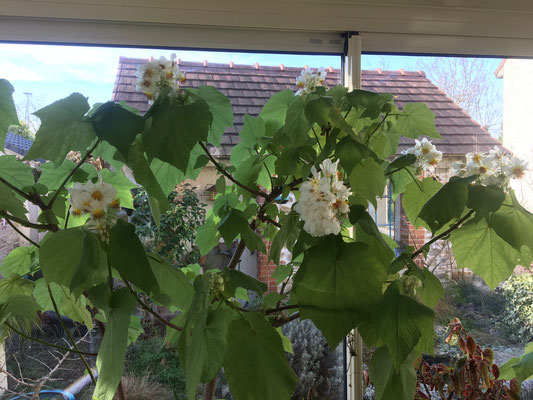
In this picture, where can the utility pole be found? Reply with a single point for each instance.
(27, 113)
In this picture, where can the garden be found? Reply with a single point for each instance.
(118, 272)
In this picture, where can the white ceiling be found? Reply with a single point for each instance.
(483, 27)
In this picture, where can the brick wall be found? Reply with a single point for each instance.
(265, 269)
(411, 236)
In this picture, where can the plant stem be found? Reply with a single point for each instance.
(229, 176)
(149, 309)
(78, 166)
(69, 335)
(278, 309)
(12, 225)
(445, 233)
(35, 199)
(55, 346)
(316, 136)
(377, 127)
(210, 387)
(280, 322)
(46, 227)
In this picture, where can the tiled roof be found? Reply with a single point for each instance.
(250, 86)
(17, 144)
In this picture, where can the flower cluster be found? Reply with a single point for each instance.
(323, 201)
(157, 74)
(308, 81)
(427, 155)
(493, 168)
(96, 200)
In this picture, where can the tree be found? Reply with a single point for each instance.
(471, 84)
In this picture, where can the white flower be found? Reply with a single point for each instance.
(515, 168)
(308, 81)
(323, 201)
(155, 75)
(427, 155)
(475, 157)
(92, 198)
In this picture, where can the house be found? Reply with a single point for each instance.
(517, 104)
(250, 86)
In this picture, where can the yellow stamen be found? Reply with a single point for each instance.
(518, 172)
(115, 203)
(97, 195)
(98, 214)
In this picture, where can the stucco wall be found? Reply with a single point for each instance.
(517, 112)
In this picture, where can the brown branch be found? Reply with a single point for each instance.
(443, 234)
(229, 176)
(280, 322)
(46, 227)
(149, 309)
(283, 308)
(71, 173)
(31, 199)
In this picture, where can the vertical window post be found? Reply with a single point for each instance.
(352, 80)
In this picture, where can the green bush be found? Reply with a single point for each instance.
(174, 239)
(151, 356)
(518, 316)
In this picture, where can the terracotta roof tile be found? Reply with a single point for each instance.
(249, 88)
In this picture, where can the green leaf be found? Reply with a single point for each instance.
(234, 224)
(122, 184)
(176, 129)
(400, 180)
(337, 285)
(416, 195)
(402, 322)
(252, 131)
(447, 204)
(52, 177)
(117, 125)
(296, 126)
(8, 112)
(286, 236)
(519, 368)
(368, 179)
(22, 305)
(256, 366)
(10, 203)
(478, 248)
(112, 353)
(132, 264)
(76, 310)
(391, 383)
(401, 162)
(234, 279)
(110, 154)
(369, 102)
(350, 153)
(135, 329)
(220, 108)
(514, 224)
(14, 284)
(207, 237)
(69, 257)
(287, 345)
(432, 290)
(15, 172)
(417, 119)
(318, 110)
(63, 129)
(484, 199)
(281, 273)
(18, 261)
(275, 111)
(174, 286)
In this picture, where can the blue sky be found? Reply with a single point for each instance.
(51, 72)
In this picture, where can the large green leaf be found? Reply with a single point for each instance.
(368, 103)
(52, 177)
(520, 368)
(220, 108)
(21, 305)
(478, 248)
(318, 110)
(234, 279)
(15, 172)
(175, 288)
(8, 112)
(275, 111)
(69, 257)
(350, 153)
(18, 261)
(117, 125)
(337, 285)
(14, 284)
(297, 125)
(389, 382)
(368, 179)
(176, 129)
(63, 129)
(447, 204)
(432, 290)
(286, 236)
(417, 119)
(110, 360)
(132, 264)
(416, 195)
(234, 224)
(207, 236)
(11, 203)
(514, 224)
(252, 131)
(402, 322)
(256, 366)
(484, 199)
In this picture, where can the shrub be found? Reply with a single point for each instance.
(518, 316)
(318, 368)
(143, 387)
(174, 239)
(151, 355)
